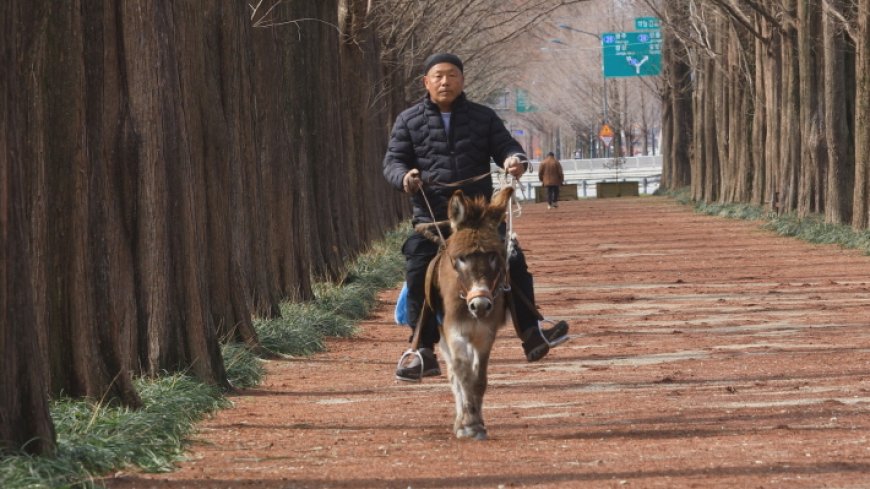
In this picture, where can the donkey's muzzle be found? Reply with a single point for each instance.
(479, 303)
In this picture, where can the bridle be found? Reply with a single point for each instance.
(498, 285)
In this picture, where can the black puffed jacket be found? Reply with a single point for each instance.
(418, 140)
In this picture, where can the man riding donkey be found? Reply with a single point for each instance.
(439, 145)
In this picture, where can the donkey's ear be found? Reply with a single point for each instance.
(456, 209)
(501, 200)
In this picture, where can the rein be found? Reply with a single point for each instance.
(459, 183)
(432, 213)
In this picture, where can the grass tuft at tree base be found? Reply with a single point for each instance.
(94, 439)
(302, 327)
(812, 228)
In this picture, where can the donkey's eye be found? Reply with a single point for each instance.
(493, 260)
(459, 262)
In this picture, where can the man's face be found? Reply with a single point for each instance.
(444, 83)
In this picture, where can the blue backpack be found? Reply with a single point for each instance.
(401, 312)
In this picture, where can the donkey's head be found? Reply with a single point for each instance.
(476, 249)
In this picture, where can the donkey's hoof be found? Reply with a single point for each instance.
(477, 432)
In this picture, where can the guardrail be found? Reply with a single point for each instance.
(629, 163)
(585, 173)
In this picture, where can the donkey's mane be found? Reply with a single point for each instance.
(478, 231)
(467, 241)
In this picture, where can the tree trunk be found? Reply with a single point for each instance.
(790, 142)
(679, 103)
(365, 143)
(741, 130)
(759, 133)
(725, 111)
(73, 211)
(25, 420)
(862, 118)
(699, 118)
(710, 134)
(838, 130)
(773, 93)
(812, 144)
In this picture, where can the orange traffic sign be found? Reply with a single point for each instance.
(606, 134)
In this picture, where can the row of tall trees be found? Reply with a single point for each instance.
(768, 102)
(169, 170)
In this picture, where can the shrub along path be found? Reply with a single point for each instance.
(707, 353)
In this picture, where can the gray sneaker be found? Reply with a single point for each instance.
(411, 369)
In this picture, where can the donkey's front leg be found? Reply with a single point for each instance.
(458, 395)
(468, 380)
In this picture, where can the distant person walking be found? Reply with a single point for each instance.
(551, 176)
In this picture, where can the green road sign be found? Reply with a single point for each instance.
(523, 104)
(632, 53)
(647, 23)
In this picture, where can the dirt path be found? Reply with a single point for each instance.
(706, 353)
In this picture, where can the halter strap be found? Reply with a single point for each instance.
(494, 286)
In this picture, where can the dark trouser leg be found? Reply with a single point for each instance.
(552, 194)
(419, 251)
(521, 281)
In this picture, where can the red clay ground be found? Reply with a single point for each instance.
(706, 353)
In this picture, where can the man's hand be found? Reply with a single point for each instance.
(412, 182)
(514, 166)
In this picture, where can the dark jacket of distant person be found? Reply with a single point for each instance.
(550, 171)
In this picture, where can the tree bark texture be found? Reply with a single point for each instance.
(773, 93)
(790, 144)
(839, 120)
(169, 171)
(711, 133)
(759, 129)
(24, 413)
(860, 217)
(677, 121)
(775, 86)
(813, 148)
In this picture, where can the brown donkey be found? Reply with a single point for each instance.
(467, 282)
